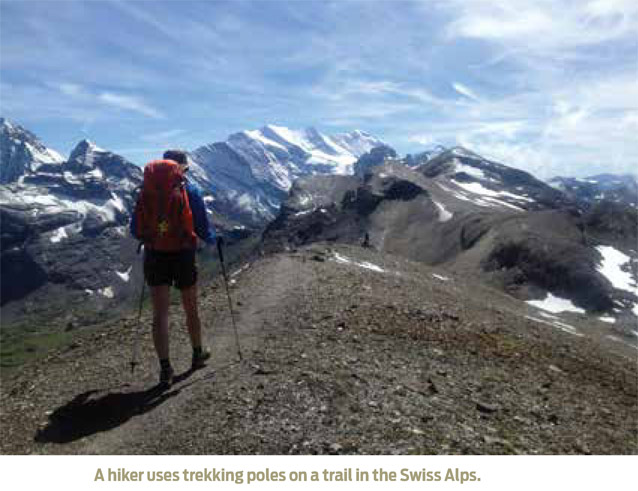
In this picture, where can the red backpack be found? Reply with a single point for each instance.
(163, 216)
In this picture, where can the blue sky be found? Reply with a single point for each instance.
(547, 86)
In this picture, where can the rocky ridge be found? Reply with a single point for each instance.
(481, 219)
(335, 365)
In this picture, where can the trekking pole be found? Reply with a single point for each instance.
(230, 303)
(134, 357)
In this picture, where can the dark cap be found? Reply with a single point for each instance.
(179, 156)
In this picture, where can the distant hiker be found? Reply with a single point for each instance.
(366, 240)
(169, 216)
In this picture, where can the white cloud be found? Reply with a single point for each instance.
(464, 90)
(426, 140)
(544, 25)
(340, 88)
(163, 135)
(129, 103)
(72, 89)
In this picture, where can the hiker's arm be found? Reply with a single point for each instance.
(203, 228)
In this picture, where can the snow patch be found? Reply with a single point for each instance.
(610, 268)
(107, 292)
(245, 201)
(478, 188)
(304, 200)
(609, 320)
(439, 277)
(364, 264)
(559, 325)
(470, 171)
(462, 152)
(59, 235)
(555, 304)
(126, 275)
(71, 178)
(117, 203)
(95, 173)
(444, 215)
(256, 135)
(40, 200)
(289, 135)
(47, 156)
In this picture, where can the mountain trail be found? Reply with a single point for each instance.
(371, 354)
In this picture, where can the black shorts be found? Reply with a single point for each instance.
(170, 268)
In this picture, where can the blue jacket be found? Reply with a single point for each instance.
(203, 229)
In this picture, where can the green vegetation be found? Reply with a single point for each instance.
(24, 343)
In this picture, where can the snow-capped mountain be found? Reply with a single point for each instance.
(22, 153)
(253, 170)
(473, 179)
(64, 221)
(64, 237)
(603, 187)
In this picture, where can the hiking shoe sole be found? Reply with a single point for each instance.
(200, 360)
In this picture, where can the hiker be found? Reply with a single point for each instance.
(366, 241)
(169, 216)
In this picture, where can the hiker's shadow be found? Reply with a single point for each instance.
(90, 413)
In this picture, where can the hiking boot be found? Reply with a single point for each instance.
(199, 358)
(166, 377)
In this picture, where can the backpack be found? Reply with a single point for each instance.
(163, 216)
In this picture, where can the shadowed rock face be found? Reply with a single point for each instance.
(476, 217)
(376, 156)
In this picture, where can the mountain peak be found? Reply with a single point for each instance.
(87, 145)
(5, 123)
(83, 156)
(22, 152)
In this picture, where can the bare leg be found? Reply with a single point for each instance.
(189, 301)
(161, 301)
